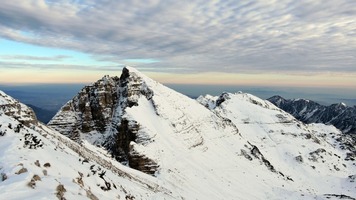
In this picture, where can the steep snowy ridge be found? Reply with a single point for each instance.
(341, 116)
(39, 163)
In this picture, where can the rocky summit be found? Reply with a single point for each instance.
(130, 137)
(96, 114)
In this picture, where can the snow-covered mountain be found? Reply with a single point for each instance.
(235, 146)
(341, 116)
(39, 163)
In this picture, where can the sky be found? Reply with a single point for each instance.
(306, 43)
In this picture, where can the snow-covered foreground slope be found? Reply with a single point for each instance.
(39, 163)
(233, 147)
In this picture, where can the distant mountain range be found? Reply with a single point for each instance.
(341, 116)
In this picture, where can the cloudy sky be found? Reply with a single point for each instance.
(250, 42)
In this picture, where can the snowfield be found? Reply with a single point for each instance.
(234, 146)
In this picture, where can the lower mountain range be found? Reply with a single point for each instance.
(340, 115)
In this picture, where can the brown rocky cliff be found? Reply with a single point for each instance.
(99, 109)
(90, 110)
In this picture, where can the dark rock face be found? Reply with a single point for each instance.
(124, 151)
(131, 87)
(339, 115)
(99, 109)
(96, 103)
(126, 133)
(223, 97)
(90, 110)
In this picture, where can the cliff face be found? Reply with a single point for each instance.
(89, 111)
(95, 114)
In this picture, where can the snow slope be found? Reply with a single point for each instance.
(39, 163)
(235, 146)
(311, 155)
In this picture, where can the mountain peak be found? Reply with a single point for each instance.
(130, 69)
(133, 84)
(132, 74)
(97, 114)
(127, 71)
(277, 100)
(125, 74)
(340, 105)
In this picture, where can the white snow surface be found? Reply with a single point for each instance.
(204, 151)
(281, 138)
(68, 161)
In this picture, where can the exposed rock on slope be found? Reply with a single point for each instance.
(17, 110)
(91, 110)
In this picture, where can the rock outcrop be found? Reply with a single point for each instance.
(17, 110)
(90, 110)
(96, 114)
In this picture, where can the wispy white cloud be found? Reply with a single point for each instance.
(39, 66)
(41, 58)
(222, 35)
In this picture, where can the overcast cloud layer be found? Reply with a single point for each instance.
(287, 36)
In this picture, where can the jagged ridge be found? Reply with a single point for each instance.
(341, 116)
